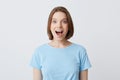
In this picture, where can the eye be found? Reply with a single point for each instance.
(65, 21)
(54, 21)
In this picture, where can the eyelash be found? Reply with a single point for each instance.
(65, 21)
(62, 21)
(54, 21)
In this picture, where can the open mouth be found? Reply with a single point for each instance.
(58, 32)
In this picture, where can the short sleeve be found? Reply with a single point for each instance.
(84, 60)
(35, 61)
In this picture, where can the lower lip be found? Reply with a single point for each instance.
(59, 34)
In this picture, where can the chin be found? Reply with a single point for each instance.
(59, 39)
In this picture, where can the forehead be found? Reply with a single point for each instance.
(59, 15)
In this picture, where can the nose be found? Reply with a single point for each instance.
(59, 24)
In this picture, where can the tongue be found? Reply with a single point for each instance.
(58, 33)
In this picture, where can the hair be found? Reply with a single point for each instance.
(69, 19)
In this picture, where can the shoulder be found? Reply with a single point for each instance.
(81, 50)
(40, 48)
(79, 46)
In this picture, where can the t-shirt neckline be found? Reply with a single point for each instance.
(60, 48)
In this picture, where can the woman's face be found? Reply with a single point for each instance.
(59, 26)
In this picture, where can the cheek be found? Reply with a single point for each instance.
(66, 28)
(52, 26)
(52, 29)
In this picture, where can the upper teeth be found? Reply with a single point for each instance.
(58, 31)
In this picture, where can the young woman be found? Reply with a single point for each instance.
(60, 59)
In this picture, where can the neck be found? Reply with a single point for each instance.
(59, 44)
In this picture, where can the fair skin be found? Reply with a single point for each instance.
(37, 74)
(59, 29)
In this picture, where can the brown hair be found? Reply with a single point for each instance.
(70, 22)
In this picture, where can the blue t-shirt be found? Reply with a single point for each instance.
(60, 63)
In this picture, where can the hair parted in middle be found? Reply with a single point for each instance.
(69, 19)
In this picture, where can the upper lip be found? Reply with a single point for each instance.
(59, 31)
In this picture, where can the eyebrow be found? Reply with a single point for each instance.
(62, 19)
(56, 18)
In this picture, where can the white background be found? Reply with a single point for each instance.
(23, 26)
